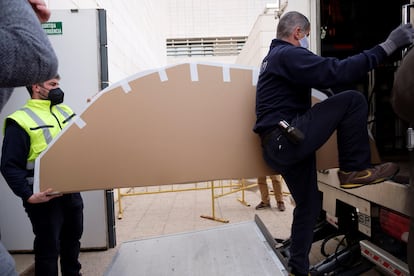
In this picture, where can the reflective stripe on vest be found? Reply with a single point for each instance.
(46, 131)
(30, 165)
(65, 114)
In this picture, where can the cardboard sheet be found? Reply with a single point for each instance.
(181, 124)
(185, 123)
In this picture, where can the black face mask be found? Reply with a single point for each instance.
(56, 96)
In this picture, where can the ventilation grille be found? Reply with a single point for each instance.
(208, 46)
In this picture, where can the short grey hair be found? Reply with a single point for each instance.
(289, 21)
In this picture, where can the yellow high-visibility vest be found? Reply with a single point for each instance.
(41, 123)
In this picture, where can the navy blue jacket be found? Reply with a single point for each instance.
(288, 73)
(16, 146)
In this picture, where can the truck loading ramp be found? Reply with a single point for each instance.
(244, 248)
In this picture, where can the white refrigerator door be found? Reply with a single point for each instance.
(75, 39)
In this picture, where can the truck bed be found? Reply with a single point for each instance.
(223, 250)
(388, 194)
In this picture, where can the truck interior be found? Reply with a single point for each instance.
(351, 26)
(348, 27)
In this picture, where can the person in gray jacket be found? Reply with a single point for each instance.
(26, 57)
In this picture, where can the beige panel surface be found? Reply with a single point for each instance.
(161, 132)
(169, 128)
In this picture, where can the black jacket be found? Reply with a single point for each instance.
(288, 73)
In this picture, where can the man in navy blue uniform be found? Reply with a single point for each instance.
(283, 100)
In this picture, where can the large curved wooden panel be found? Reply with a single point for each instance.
(186, 123)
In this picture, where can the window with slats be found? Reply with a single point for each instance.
(205, 46)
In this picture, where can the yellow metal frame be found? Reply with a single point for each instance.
(235, 188)
(226, 186)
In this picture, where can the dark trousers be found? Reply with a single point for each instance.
(345, 112)
(58, 227)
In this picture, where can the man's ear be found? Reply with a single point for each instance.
(35, 88)
(296, 33)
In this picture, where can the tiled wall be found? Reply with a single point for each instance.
(210, 18)
(137, 30)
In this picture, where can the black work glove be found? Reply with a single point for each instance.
(401, 36)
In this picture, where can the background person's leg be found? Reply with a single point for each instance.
(264, 193)
(277, 191)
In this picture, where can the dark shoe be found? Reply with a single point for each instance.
(262, 205)
(376, 174)
(281, 206)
